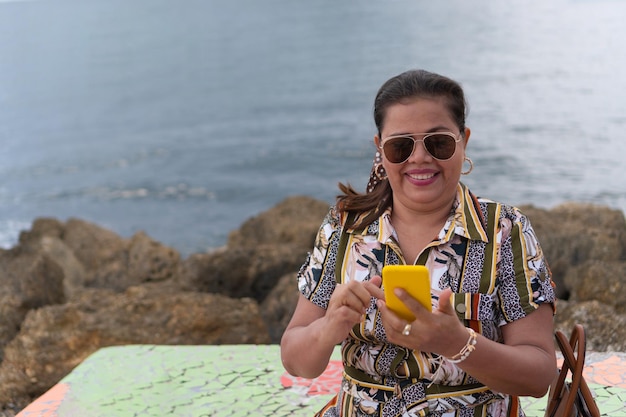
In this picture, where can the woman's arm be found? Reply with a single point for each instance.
(525, 364)
(313, 333)
(304, 338)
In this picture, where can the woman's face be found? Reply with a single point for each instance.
(422, 183)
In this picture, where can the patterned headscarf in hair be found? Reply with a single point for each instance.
(378, 173)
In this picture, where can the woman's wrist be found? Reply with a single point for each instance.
(467, 349)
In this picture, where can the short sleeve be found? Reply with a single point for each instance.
(316, 278)
(525, 280)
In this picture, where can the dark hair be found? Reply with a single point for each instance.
(401, 89)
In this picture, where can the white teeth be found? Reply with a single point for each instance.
(422, 176)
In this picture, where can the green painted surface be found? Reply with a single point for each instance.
(240, 380)
(184, 381)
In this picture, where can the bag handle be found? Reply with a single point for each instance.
(578, 394)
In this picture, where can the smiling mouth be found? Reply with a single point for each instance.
(421, 177)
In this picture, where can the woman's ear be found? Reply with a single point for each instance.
(377, 141)
(467, 135)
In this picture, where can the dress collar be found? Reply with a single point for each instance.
(466, 219)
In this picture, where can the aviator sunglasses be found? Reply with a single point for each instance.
(440, 145)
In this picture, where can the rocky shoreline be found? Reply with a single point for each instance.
(70, 288)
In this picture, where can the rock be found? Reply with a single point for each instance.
(12, 313)
(572, 233)
(93, 257)
(32, 277)
(28, 280)
(279, 305)
(54, 339)
(73, 271)
(149, 260)
(586, 249)
(272, 262)
(605, 329)
(604, 282)
(68, 289)
(103, 254)
(43, 226)
(266, 247)
(225, 271)
(293, 222)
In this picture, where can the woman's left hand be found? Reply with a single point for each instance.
(510, 367)
(440, 331)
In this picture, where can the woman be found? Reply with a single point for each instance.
(489, 338)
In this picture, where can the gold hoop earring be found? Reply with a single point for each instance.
(471, 166)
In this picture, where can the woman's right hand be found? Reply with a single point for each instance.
(347, 306)
(313, 332)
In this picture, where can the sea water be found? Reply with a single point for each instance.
(185, 118)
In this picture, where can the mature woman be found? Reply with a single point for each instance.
(488, 339)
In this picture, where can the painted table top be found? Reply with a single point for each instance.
(237, 380)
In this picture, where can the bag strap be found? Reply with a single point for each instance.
(583, 393)
(571, 363)
(578, 395)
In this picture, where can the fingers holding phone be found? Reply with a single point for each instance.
(406, 291)
(415, 280)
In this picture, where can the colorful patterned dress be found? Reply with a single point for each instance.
(487, 253)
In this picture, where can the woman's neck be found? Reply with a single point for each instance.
(416, 229)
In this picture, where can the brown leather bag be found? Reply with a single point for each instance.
(571, 398)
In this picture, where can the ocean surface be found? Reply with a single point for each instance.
(184, 118)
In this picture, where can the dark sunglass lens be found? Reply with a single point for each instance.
(398, 149)
(440, 146)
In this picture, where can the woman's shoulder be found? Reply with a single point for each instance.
(505, 210)
(333, 218)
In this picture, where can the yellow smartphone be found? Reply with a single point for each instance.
(414, 279)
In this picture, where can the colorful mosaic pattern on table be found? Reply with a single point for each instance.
(240, 380)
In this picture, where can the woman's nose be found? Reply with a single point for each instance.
(419, 153)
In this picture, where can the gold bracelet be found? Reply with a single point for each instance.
(469, 347)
